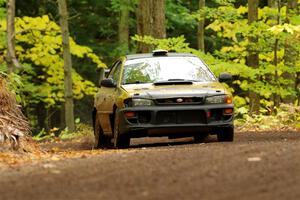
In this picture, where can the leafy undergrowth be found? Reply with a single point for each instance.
(286, 119)
(56, 135)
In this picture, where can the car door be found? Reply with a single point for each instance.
(106, 98)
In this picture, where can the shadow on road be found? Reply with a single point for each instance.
(163, 142)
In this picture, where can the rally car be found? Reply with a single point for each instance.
(162, 94)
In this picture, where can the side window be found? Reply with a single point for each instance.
(115, 71)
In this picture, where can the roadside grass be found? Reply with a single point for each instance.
(55, 134)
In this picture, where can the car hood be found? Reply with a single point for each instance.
(168, 91)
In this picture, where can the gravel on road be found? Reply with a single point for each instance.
(255, 166)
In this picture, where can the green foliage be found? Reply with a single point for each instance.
(39, 48)
(179, 15)
(55, 134)
(93, 23)
(2, 9)
(233, 29)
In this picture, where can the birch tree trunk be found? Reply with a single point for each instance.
(253, 59)
(201, 45)
(69, 106)
(12, 62)
(150, 21)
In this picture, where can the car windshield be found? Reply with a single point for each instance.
(162, 69)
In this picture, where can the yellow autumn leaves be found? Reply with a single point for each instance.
(39, 44)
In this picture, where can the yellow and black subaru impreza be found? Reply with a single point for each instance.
(161, 94)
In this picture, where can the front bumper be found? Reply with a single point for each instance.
(178, 119)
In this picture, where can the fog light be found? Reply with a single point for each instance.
(228, 111)
(130, 114)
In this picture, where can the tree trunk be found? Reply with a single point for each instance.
(253, 59)
(291, 54)
(12, 62)
(69, 105)
(124, 26)
(150, 21)
(159, 21)
(201, 26)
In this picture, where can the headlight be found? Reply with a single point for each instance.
(138, 102)
(219, 99)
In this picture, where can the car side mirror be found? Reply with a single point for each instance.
(106, 72)
(100, 73)
(225, 77)
(108, 82)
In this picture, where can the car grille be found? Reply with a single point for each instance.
(180, 101)
(180, 117)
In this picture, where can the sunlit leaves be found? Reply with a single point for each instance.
(288, 28)
(39, 43)
(231, 26)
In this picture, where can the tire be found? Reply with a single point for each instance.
(121, 141)
(199, 138)
(101, 140)
(226, 134)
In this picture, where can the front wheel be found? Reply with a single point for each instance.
(120, 140)
(226, 134)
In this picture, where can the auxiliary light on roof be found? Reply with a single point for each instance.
(160, 52)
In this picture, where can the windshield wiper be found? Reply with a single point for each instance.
(174, 82)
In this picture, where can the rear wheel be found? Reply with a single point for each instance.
(101, 140)
(226, 134)
(120, 140)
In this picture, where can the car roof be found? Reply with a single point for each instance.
(150, 55)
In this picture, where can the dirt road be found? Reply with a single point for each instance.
(255, 166)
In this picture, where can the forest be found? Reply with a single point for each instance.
(258, 42)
